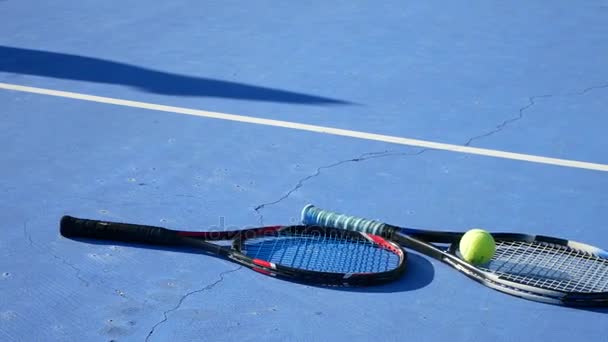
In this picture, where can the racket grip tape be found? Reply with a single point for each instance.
(312, 215)
(95, 229)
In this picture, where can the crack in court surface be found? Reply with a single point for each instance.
(183, 298)
(507, 122)
(300, 183)
(31, 242)
(532, 102)
(78, 271)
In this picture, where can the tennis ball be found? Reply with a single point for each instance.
(477, 246)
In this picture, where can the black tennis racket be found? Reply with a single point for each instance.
(316, 255)
(540, 268)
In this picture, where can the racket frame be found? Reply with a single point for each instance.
(73, 227)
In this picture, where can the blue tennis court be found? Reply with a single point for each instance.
(209, 115)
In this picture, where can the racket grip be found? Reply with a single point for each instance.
(114, 231)
(312, 215)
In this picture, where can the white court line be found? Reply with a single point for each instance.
(313, 128)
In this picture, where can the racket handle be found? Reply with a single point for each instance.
(102, 230)
(312, 215)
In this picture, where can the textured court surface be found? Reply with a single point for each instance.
(528, 77)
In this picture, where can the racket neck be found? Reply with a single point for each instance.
(422, 240)
(429, 235)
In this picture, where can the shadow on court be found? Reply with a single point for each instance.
(80, 68)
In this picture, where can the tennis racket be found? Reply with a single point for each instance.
(316, 255)
(540, 268)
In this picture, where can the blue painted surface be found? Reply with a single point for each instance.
(425, 70)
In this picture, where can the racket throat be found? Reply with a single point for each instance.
(420, 246)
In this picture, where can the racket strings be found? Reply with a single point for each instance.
(323, 253)
(549, 266)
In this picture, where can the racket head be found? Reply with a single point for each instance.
(544, 268)
(322, 255)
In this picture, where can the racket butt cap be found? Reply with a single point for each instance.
(305, 212)
(67, 226)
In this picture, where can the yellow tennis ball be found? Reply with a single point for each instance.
(477, 246)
